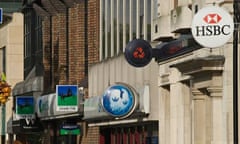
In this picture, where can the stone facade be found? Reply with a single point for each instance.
(11, 39)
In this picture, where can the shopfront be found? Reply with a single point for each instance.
(26, 127)
(28, 130)
(61, 115)
(144, 133)
(122, 116)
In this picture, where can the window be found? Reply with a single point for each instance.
(3, 60)
(118, 27)
(32, 39)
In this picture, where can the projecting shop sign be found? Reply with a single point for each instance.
(212, 26)
(1, 15)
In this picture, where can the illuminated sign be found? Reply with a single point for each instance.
(212, 27)
(67, 97)
(25, 107)
(119, 101)
(138, 52)
(69, 129)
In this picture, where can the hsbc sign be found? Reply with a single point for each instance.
(212, 27)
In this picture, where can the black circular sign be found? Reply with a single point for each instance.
(138, 52)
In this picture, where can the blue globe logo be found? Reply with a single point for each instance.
(118, 100)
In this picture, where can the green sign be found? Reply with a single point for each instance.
(70, 130)
(24, 106)
(67, 97)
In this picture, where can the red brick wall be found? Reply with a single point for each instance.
(76, 43)
(64, 47)
(64, 44)
(93, 30)
(46, 54)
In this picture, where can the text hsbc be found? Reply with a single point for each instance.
(213, 30)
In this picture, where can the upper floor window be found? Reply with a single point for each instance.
(122, 21)
(32, 39)
(3, 60)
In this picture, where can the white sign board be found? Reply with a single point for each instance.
(212, 26)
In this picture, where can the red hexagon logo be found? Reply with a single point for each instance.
(212, 18)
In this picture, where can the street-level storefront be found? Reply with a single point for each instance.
(133, 129)
(125, 110)
(26, 127)
(52, 118)
(61, 115)
(144, 133)
(28, 130)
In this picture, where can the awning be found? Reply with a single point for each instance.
(30, 85)
(25, 126)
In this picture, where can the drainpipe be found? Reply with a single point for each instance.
(3, 111)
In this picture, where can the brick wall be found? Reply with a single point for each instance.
(77, 43)
(47, 54)
(90, 135)
(93, 30)
(69, 47)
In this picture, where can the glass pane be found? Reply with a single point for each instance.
(121, 24)
(149, 20)
(134, 20)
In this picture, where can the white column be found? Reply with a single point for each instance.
(217, 114)
(199, 117)
(164, 116)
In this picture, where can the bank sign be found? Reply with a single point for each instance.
(119, 100)
(67, 97)
(212, 26)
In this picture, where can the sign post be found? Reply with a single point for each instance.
(235, 73)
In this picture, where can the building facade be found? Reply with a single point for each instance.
(11, 47)
(195, 96)
(185, 98)
(195, 88)
(120, 22)
(60, 41)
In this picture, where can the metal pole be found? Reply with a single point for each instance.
(3, 123)
(235, 74)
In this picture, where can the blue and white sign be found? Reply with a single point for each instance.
(119, 101)
(1, 15)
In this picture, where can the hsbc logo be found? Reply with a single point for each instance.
(212, 26)
(212, 18)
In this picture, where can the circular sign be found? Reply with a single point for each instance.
(138, 52)
(118, 100)
(212, 26)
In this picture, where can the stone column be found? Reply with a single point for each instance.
(199, 117)
(215, 94)
(164, 116)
